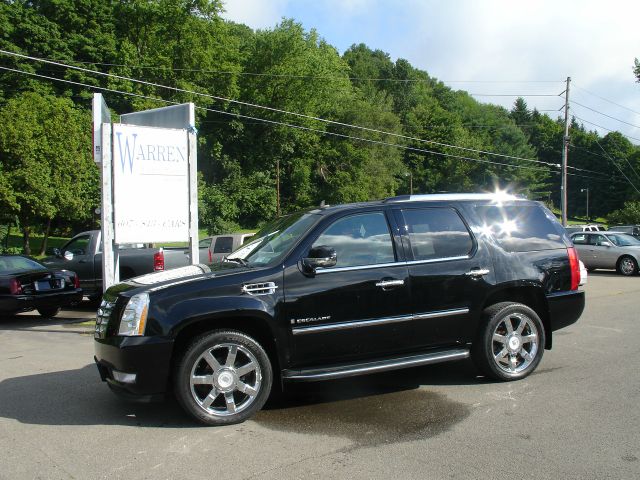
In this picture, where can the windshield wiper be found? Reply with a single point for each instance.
(241, 261)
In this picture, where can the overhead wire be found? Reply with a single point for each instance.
(603, 114)
(617, 166)
(277, 110)
(605, 99)
(605, 128)
(300, 127)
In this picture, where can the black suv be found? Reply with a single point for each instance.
(341, 291)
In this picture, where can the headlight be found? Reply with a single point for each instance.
(134, 317)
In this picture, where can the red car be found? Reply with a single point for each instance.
(26, 284)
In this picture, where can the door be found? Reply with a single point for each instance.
(604, 252)
(359, 308)
(78, 258)
(585, 250)
(450, 274)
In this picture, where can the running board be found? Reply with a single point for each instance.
(363, 368)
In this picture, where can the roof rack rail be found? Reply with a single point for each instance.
(496, 197)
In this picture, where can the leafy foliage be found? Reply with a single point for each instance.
(629, 214)
(434, 141)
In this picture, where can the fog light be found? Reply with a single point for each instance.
(124, 377)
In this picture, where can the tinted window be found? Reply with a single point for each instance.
(521, 228)
(437, 233)
(359, 240)
(223, 245)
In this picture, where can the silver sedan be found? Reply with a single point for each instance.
(608, 250)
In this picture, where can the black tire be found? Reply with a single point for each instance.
(239, 385)
(627, 265)
(519, 353)
(48, 312)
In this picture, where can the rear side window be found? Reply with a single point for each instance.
(579, 239)
(223, 245)
(523, 228)
(437, 233)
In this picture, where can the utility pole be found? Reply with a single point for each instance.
(278, 187)
(565, 155)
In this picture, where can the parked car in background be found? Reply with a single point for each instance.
(214, 249)
(345, 290)
(584, 228)
(26, 284)
(608, 250)
(83, 255)
(630, 229)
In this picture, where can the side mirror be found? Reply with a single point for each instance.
(68, 255)
(606, 244)
(320, 257)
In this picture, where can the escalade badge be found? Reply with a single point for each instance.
(298, 321)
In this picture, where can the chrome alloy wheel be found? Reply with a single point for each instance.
(225, 379)
(627, 266)
(515, 343)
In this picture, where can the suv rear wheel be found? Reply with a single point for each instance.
(224, 377)
(511, 343)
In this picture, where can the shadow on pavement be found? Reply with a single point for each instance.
(78, 397)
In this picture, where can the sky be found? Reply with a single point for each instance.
(492, 47)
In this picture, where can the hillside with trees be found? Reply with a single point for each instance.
(256, 163)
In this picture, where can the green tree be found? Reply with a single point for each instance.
(45, 165)
(630, 213)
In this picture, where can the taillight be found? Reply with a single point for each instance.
(76, 281)
(158, 260)
(210, 256)
(574, 265)
(15, 287)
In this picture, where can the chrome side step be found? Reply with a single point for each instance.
(363, 368)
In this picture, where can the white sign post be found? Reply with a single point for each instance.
(149, 180)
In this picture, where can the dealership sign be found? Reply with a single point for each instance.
(150, 184)
(148, 167)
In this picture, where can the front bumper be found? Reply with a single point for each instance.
(148, 358)
(565, 308)
(22, 303)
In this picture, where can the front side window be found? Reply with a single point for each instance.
(204, 243)
(598, 240)
(362, 239)
(78, 246)
(437, 233)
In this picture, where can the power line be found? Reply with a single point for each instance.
(605, 128)
(606, 100)
(300, 127)
(277, 110)
(602, 156)
(604, 114)
(513, 94)
(285, 75)
(617, 166)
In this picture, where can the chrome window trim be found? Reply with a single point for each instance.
(378, 321)
(320, 271)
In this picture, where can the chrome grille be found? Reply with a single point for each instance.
(102, 318)
(259, 288)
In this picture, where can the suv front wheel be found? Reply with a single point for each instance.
(511, 343)
(224, 377)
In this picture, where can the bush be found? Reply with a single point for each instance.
(629, 214)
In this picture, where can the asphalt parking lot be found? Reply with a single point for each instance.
(577, 417)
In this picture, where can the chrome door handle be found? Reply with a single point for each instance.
(389, 283)
(477, 272)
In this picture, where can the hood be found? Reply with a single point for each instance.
(167, 278)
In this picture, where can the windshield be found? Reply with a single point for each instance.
(276, 239)
(623, 240)
(16, 264)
